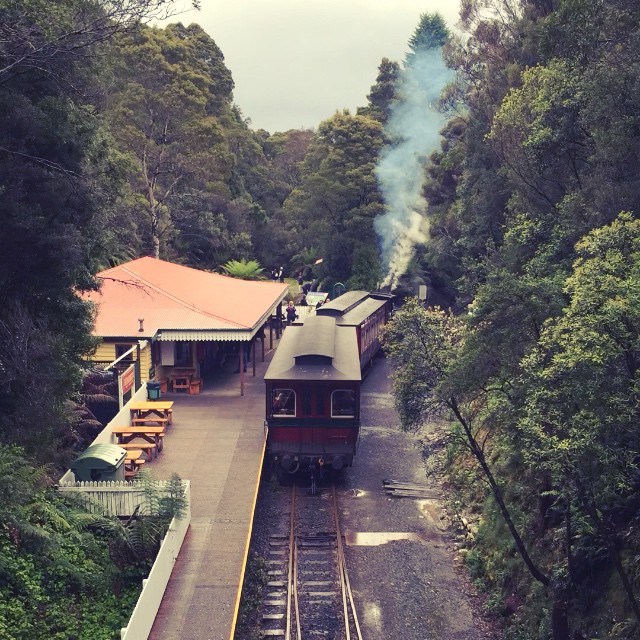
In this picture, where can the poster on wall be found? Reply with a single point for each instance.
(125, 383)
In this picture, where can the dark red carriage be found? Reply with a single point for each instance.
(313, 383)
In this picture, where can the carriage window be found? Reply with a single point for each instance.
(283, 402)
(343, 403)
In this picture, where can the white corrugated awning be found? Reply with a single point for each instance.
(216, 336)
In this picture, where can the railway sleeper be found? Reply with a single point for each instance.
(322, 546)
(315, 595)
(275, 603)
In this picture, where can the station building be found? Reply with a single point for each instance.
(175, 318)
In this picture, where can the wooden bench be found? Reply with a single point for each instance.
(181, 385)
(149, 449)
(195, 386)
(133, 472)
(161, 422)
(153, 435)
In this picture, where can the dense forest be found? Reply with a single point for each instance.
(498, 165)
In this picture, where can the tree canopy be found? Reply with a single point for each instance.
(533, 202)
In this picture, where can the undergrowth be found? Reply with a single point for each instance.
(255, 582)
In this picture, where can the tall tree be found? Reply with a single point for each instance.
(383, 92)
(580, 418)
(545, 153)
(171, 86)
(58, 178)
(338, 198)
(275, 242)
(431, 33)
(426, 349)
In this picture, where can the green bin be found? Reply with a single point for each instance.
(100, 462)
(153, 390)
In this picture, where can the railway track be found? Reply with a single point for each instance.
(309, 594)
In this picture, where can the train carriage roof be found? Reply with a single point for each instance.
(353, 307)
(342, 303)
(317, 350)
(355, 316)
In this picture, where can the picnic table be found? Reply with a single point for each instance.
(126, 434)
(181, 378)
(132, 463)
(148, 448)
(152, 409)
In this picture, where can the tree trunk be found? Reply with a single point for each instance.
(610, 539)
(559, 618)
(559, 607)
(497, 494)
(154, 214)
(626, 583)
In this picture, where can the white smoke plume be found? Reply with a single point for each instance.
(413, 129)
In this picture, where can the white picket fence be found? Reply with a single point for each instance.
(153, 588)
(121, 499)
(114, 498)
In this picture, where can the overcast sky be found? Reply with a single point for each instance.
(295, 62)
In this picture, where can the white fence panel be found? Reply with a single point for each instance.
(154, 586)
(113, 498)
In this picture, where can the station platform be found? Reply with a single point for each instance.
(217, 442)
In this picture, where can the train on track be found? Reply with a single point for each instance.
(313, 384)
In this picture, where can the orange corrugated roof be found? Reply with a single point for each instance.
(171, 296)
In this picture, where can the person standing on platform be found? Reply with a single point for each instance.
(291, 312)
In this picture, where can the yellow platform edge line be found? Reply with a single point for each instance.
(247, 545)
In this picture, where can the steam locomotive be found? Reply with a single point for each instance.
(313, 384)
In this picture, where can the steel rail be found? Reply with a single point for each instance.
(340, 558)
(344, 575)
(292, 591)
(293, 630)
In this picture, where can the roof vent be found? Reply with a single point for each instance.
(141, 321)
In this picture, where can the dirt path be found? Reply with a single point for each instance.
(401, 557)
